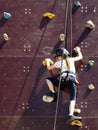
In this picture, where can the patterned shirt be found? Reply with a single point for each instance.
(61, 65)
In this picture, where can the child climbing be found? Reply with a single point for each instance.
(65, 78)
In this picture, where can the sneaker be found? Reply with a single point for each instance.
(77, 111)
(49, 97)
(73, 117)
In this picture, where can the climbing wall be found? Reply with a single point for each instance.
(31, 39)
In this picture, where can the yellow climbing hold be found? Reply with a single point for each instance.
(49, 15)
(76, 123)
(45, 63)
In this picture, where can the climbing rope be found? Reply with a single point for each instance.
(71, 49)
(64, 45)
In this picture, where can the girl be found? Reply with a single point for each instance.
(66, 78)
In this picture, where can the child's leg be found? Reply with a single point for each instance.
(51, 96)
(50, 85)
(51, 82)
(72, 107)
(72, 91)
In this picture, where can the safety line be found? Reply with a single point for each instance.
(71, 43)
(66, 22)
(64, 44)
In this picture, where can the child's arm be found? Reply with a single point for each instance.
(48, 63)
(78, 51)
(51, 67)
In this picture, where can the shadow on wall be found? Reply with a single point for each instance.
(44, 22)
(86, 94)
(40, 74)
(83, 36)
(57, 45)
(2, 44)
(45, 123)
(3, 21)
(74, 9)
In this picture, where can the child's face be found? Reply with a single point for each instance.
(58, 58)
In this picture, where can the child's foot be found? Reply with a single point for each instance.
(72, 117)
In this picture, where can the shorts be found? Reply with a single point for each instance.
(67, 82)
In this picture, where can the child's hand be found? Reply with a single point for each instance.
(48, 61)
(77, 49)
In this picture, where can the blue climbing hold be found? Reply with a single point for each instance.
(6, 15)
(77, 3)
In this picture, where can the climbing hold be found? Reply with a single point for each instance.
(45, 63)
(62, 37)
(6, 37)
(78, 111)
(91, 87)
(76, 123)
(6, 15)
(90, 24)
(90, 63)
(49, 15)
(47, 99)
(77, 3)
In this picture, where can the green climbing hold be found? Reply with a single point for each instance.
(91, 63)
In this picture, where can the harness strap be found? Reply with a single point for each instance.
(67, 73)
